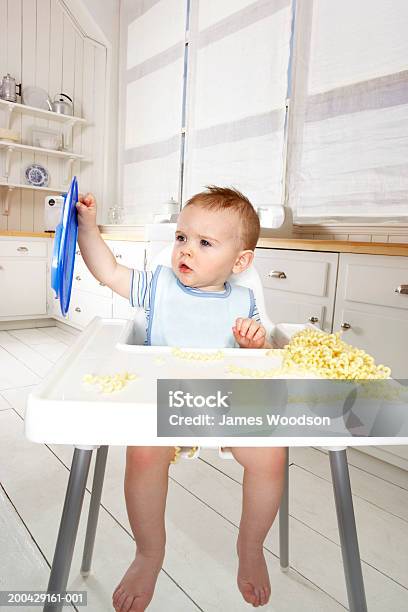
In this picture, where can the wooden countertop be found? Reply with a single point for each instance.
(27, 234)
(335, 246)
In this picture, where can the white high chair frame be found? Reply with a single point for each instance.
(79, 473)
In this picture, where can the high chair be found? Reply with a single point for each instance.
(250, 278)
(80, 467)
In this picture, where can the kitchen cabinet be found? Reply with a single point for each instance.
(23, 278)
(85, 306)
(299, 286)
(371, 311)
(367, 303)
(90, 298)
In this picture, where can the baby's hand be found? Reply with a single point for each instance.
(249, 333)
(86, 207)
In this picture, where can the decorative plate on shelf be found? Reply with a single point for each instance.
(35, 96)
(36, 175)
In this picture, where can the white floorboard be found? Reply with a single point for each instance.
(4, 405)
(13, 373)
(199, 571)
(36, 362)
(22, 553)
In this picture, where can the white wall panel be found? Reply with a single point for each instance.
(78, 167)
(28, 61)
(3, 70)
(88, 106)
(43, 46)
(12, 64)
(101, 174)
(42, 36)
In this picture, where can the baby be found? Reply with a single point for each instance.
(192, 304)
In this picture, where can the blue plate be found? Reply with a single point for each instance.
(55, 260)
(63, 257)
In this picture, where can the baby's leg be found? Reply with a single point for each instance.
(261, 493)
(146, 482)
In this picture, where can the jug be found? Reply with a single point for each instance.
(9, 88)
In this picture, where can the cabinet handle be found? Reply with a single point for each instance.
(276, 274)
(22, 249)
(345, 326)
(78, 278)
(402, 289)
(314, 319)
(77, 309)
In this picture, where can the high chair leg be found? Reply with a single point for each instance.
(97, 484)
(67, 533)
(284, 521)
(347, 530)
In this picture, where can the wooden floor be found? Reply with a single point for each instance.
(199, 571)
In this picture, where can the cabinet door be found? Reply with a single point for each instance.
(375, 315)
(299, 285)
(23, 287)
(85, 306)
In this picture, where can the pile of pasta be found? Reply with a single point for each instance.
(312, 350)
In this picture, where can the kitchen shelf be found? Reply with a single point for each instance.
(68, 121)
(21, 147)
(11, 186)
(38, 112)
(66, 155)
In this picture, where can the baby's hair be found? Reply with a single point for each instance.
(228, 198)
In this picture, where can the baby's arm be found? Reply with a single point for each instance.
(97, 256)
(249, 333)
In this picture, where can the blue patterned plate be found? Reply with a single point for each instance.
(37, 175)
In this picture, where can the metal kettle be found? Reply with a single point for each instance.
(62, 104)
(9, 88)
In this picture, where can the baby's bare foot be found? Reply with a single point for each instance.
(135, 590)
(253, 577)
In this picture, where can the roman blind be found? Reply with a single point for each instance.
(238, 58)
(153, 59)
(348, 136)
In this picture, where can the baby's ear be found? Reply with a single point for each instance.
(243, 261)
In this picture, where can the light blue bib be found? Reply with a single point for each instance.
(187, 317)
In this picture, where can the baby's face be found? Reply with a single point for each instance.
(207, 246)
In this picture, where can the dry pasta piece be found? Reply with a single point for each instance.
(197, 355)
(109, 383)
(176, 457)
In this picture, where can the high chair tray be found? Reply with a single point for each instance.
(70, 407)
